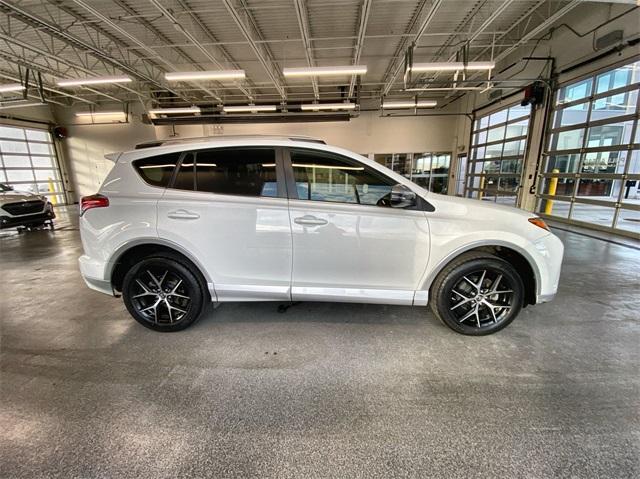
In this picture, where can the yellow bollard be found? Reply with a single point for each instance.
(481, 192)
(54, 200)
(553, 186)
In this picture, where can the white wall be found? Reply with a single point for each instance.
(368, 133)
(86, 145)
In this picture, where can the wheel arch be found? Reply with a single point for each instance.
(513, 254)
(128, 254)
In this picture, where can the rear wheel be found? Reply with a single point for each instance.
(477, 294)
(163, 294)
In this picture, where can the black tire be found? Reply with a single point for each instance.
(172, 312)
(459, 303)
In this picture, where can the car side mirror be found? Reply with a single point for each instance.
(402, 197)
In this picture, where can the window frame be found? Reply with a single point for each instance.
(278, 155)
(292, 190)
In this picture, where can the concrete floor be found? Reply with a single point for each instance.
(324, 390)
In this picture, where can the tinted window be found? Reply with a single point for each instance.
(157, 170)
(237, 171)
(324, 177)
(186, 177)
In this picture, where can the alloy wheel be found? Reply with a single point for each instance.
(481, 298)
(160, 296)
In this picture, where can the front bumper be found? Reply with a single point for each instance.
(27, 220)
(549, 252)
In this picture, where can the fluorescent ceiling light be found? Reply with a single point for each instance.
(325, 71)
(328, 106)
(170, 111)
(250, 108)
(451, 66)
(100, 113)
(21, 105)
(94, 81)
(11, 87)
(206, 75)
(409, 104)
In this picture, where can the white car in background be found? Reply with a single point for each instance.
(177, 224)
(24, 209)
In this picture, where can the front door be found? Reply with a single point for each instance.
(228, 207)
(349, 244)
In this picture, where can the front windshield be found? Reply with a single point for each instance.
(5, 188)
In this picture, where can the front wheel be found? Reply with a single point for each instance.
(477, 294)
(163, 294)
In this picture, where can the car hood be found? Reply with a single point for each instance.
(471, 208)
(13, 196)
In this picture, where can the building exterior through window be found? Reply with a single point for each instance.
(591, 170)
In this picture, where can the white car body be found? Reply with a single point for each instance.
(258, 248)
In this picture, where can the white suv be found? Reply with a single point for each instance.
(179, 223)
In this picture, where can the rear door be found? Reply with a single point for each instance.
(228, 207)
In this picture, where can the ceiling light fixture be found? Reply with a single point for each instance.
(248, 108)
(451, 66)
(409, 104)
(21, 105)
(94, 81)
(328, 106)
(325, 71)
(11, 87)
(206, 75)
(174, 111)
(82, 114)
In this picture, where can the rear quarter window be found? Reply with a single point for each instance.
(157, 170)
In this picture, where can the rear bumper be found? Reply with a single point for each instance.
(93, 273)
(26, 220)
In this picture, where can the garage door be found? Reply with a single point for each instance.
(592, 172)
(499, 141)
(28, 162)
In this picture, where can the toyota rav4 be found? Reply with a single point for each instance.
(179, 223)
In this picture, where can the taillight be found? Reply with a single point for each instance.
(93, 201)
(539, 222)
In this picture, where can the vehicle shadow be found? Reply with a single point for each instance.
(316, 312)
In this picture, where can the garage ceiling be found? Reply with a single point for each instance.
(147, 38)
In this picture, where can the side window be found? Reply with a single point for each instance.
(186, 177)
(322, 176)
(237, 171)
(157, 170)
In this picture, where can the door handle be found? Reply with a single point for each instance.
(183, 215)
(309, 220)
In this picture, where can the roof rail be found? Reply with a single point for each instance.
(200, 139)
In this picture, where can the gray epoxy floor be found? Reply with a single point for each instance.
(324, 390)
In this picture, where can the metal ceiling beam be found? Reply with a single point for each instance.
(423, 27)
(195, 42)
(225, 54)
(29, 63)
(61, 34)
(539, 29)
(492, 18)
(303, 23)
(53, 90)
(167, 42)
(133, 39)
(259, 49)
(365, 9)
(532, 33)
